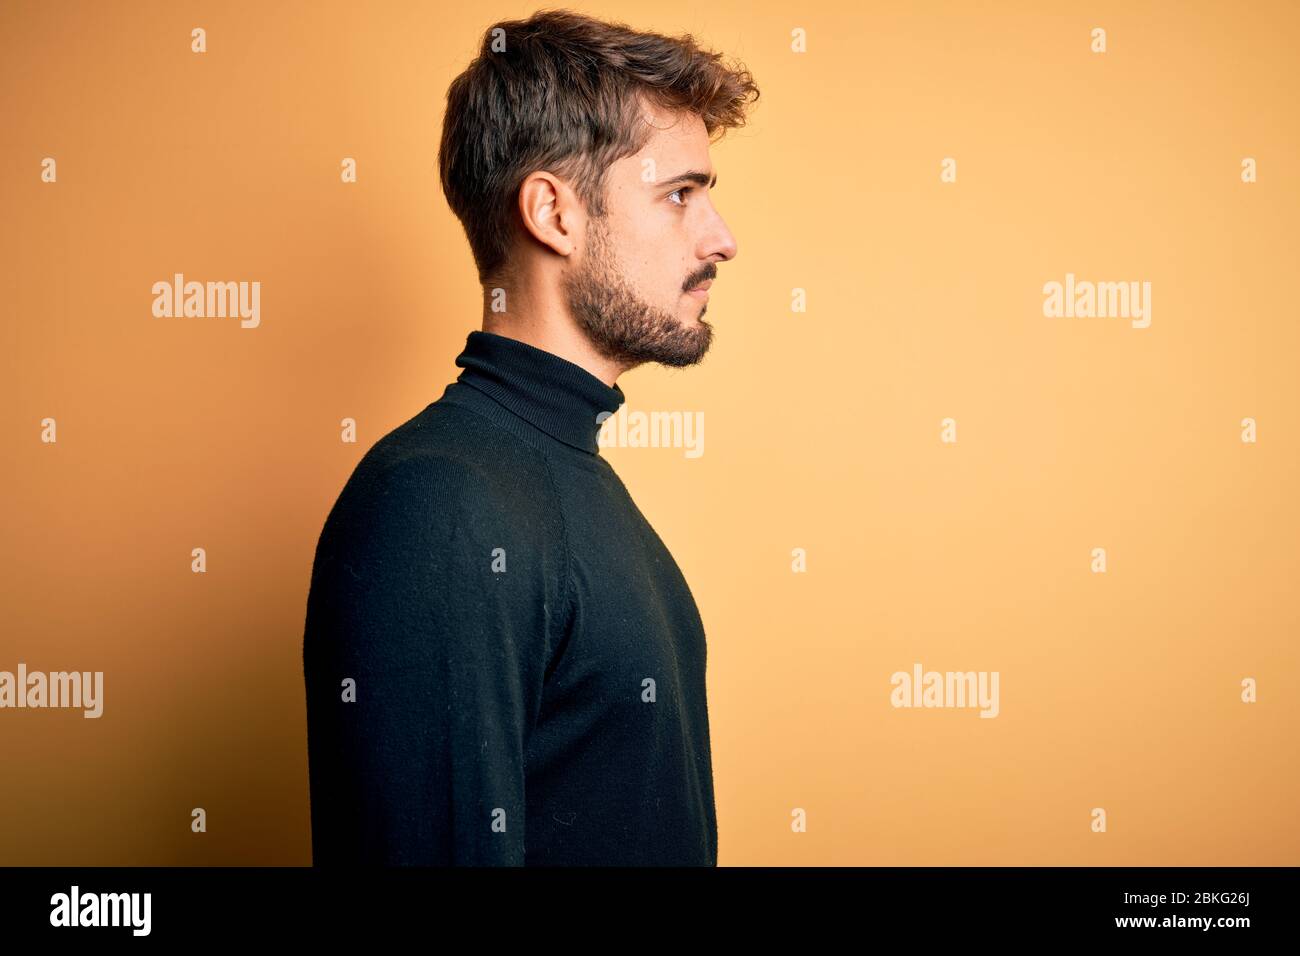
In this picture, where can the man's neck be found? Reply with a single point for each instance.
(554, 331)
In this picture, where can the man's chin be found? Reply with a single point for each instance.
(689, 353)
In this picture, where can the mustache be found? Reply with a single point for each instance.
(710, 271)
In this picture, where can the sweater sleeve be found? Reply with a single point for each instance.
(424, 655)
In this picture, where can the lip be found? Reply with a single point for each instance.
(702, 290)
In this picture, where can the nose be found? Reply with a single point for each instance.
(720, 244)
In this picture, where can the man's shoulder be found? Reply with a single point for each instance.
(446, 460)
(449, 432)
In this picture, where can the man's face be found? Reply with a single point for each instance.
(631, 289)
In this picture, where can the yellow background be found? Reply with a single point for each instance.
(1118, 690)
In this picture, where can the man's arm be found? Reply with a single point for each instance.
(420, 760)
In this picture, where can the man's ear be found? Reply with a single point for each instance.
(550, 211)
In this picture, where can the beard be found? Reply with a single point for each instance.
(620, 324)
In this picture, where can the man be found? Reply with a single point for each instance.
(504, 665)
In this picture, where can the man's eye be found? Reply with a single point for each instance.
(680, 192)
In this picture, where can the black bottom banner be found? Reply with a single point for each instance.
(236, 904)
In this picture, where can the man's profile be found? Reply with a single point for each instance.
(503, 663)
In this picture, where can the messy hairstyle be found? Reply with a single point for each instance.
(562, 92)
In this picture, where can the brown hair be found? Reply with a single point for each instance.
(561, 91)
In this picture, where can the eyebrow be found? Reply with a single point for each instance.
(691, 176)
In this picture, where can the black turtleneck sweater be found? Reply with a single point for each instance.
(503, 662)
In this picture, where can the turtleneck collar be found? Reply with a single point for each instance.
(553, 394)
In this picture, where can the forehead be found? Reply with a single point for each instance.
(677, 139)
